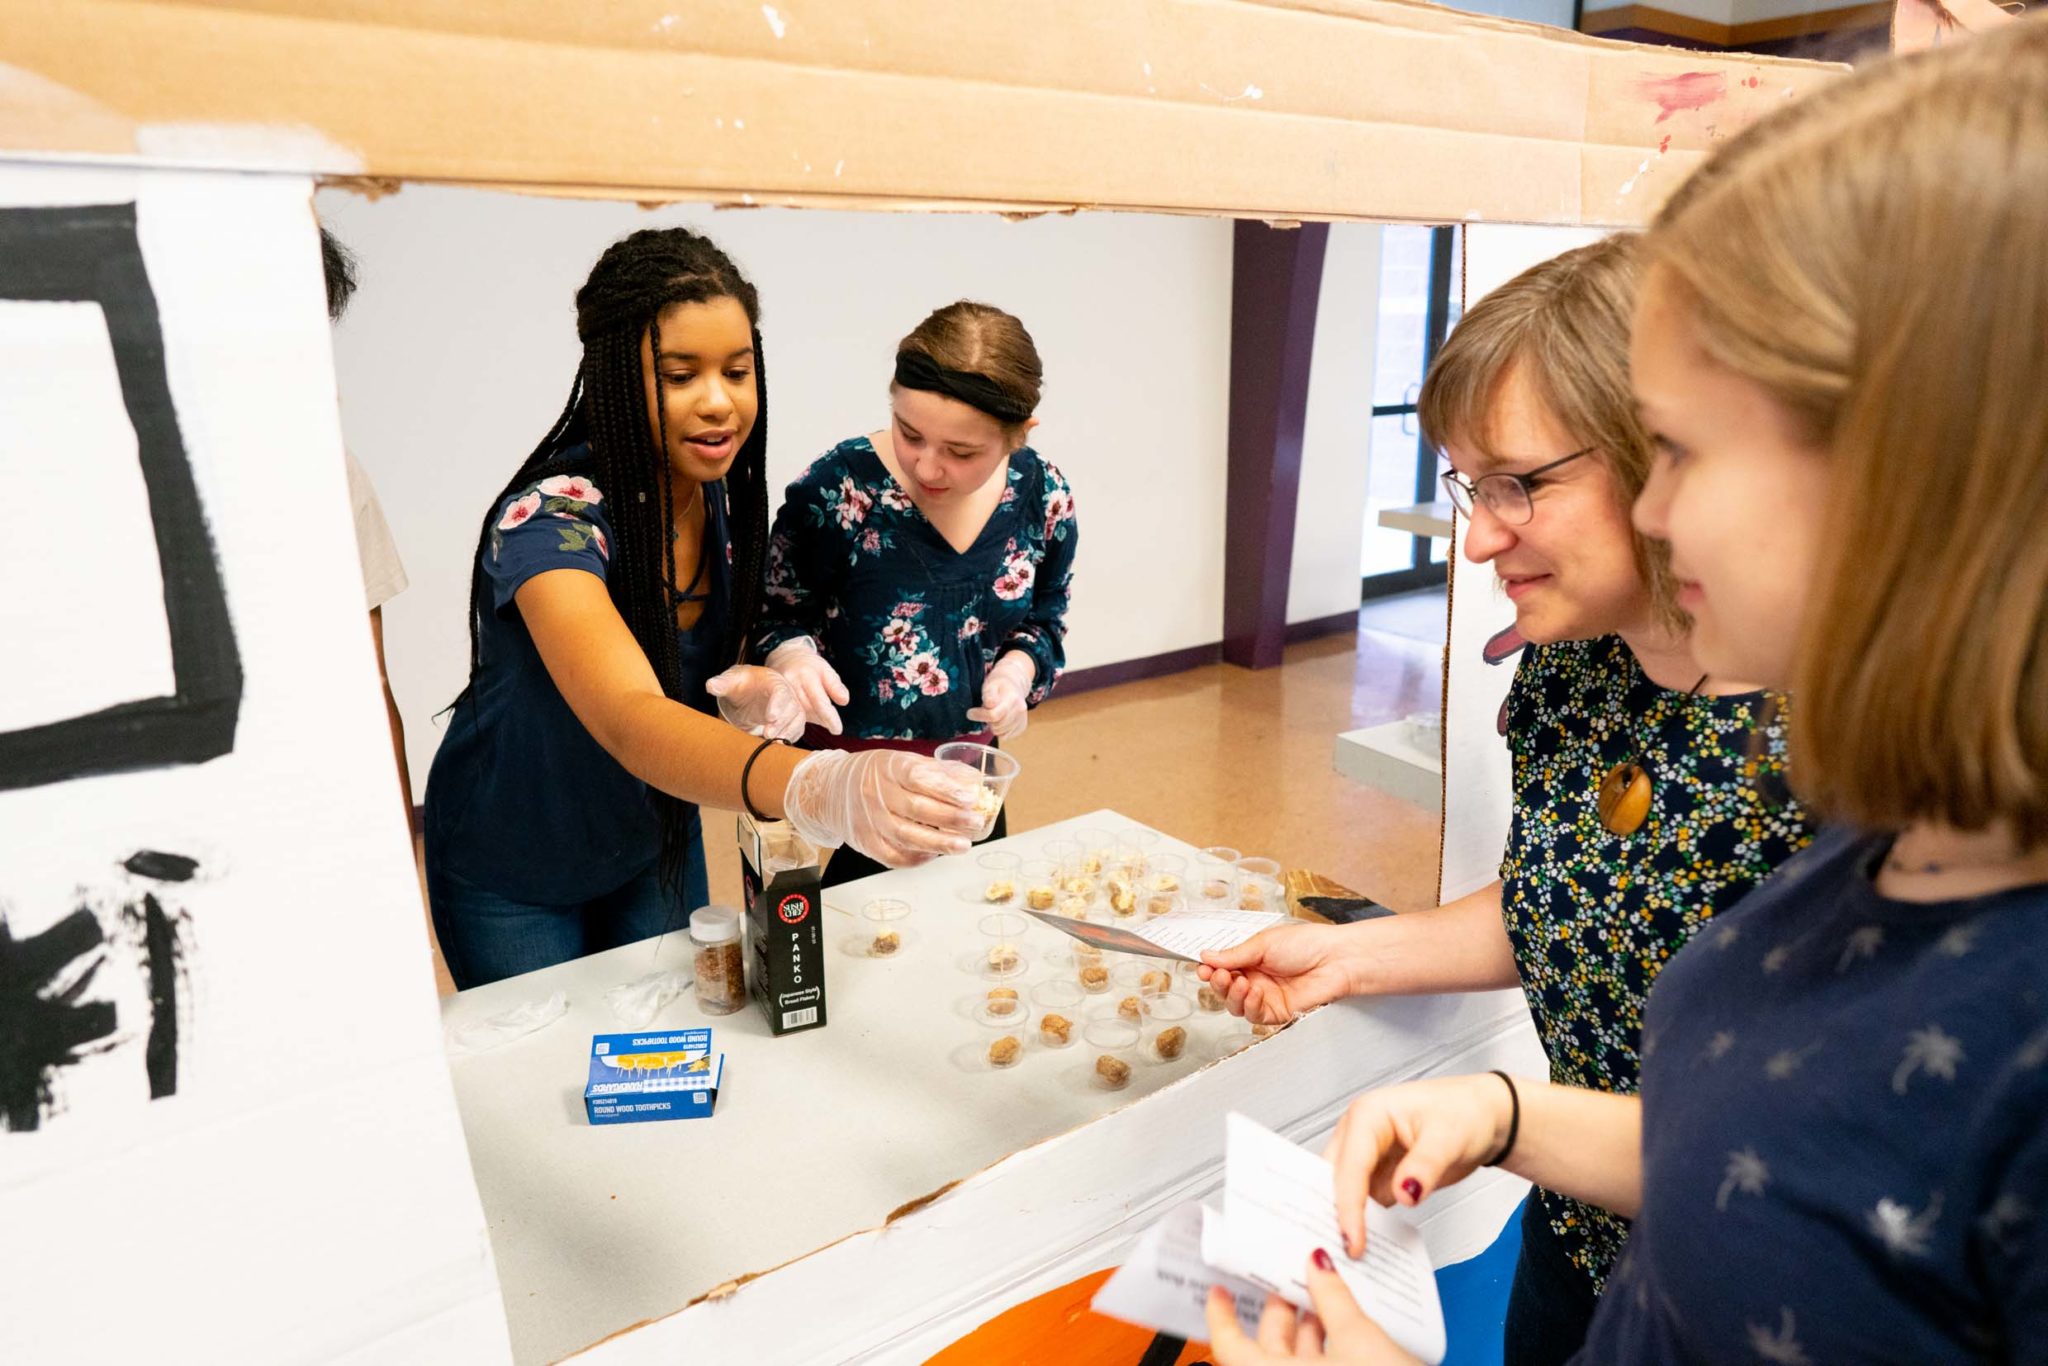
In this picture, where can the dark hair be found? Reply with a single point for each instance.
(339, 263)
(980, 339)
(619, 305)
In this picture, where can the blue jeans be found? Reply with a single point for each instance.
(485, 936)
(1550, 1305)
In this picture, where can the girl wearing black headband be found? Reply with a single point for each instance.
(918, 577)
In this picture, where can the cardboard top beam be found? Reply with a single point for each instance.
(1366, 109)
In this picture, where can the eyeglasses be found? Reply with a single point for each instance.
(1506, 496)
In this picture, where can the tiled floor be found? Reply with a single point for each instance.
(1221, 755)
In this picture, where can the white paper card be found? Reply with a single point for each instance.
(1183, 936)
(1190, 934)
(1164, 1285)
(1279, 1206)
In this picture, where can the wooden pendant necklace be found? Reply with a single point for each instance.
(1624, 801)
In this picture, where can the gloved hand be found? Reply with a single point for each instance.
(816, 683)
(1003, 707)
(898, 808)
(759, 701)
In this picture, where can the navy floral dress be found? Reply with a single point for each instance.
(912, 625)
(1594, 916)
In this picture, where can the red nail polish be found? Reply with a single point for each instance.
(1412, 1188)
(1322, 1261)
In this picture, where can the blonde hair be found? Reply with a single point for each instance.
(1876, 258)
(1565, 323)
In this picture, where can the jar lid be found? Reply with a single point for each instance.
(714, 924)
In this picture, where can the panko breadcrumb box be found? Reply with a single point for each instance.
(672, 1075)
(782, 877)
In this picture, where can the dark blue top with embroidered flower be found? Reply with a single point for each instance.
(521, 800)
(912, 625)
(1845, 1130)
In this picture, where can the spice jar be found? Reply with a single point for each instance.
(721, 973)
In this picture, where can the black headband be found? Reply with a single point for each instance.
(916, 370)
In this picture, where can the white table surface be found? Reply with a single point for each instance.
(816, 1135)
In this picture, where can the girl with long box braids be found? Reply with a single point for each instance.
(919, 576)
(617, 581)
(1840, 1150)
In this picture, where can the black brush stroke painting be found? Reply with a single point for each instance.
(45, 1025)
(90, 254)
(48, 1021)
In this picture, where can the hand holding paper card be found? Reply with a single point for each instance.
(1279, 1207)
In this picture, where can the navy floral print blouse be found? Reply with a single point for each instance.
(912, 625)
(1594, 916)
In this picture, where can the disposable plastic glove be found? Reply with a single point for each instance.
(1003, 707)
(898, 808)
(759, 701)
(816, 682)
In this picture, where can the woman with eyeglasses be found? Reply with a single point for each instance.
(1647, 791)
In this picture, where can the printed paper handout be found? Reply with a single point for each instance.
(1279, 1205)
(1180, 935)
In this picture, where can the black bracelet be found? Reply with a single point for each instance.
(1514, 1120)
(748, 772)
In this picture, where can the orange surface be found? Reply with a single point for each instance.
(1058, 1329)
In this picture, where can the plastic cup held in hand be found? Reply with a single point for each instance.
(996, 770)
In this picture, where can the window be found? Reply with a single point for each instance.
(1419, 297)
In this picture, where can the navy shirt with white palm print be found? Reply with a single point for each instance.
(1845, 1130)
(911, 625)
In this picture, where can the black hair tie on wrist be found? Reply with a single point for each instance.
(746, 799)
(916, 370)
(1514, 1120)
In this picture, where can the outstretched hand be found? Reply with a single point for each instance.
(1278, 974)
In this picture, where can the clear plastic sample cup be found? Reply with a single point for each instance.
(1214, 876)
(1039, 884)
(1005, 1023)
(1091, 970)
(997, 771)
(1253, 866)
(1066, 857)
(1135, 983)
(1004, 1003)
(1121, 893)
(1163, 903)
(1112, 1047)
(884, 918)
(1165, 1027)
(1134, 851)
(1056, 1011)
(1145, 977)
(1002, 941)
(1098, 847)
(1166, 873)
(1001, 878)
(1261, 894)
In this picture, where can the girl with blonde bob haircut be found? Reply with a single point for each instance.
(1840, 1152)
(1530, 402)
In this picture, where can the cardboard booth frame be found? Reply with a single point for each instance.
(1284, 110)
(1387, 110)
